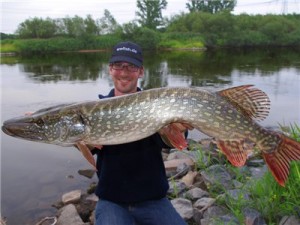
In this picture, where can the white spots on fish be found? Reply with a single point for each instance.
(207, 114)
(216, 124)
(220, 118)
(196, 110)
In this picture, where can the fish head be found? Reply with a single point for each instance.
(60, 126)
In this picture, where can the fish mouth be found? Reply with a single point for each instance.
(23, 128)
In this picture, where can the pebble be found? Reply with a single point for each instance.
(71, 197)
(189, 190)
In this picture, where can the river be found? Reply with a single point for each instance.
(35, 175)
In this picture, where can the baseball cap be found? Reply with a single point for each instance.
(127, 52)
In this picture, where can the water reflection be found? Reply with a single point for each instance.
(198, 68)
(34, 174)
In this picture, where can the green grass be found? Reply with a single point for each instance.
(267, 196)
(8, 46)
(274, 201)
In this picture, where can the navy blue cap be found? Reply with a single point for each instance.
(127, 52)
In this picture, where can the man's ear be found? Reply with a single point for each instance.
(141, 74)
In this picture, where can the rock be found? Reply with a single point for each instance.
(188, 179)
(196, 193)
(237, 184)
(204, 203)
(197, 216)
(178, 155)
(92, 197)
(256, 162)
(87, 173)
(258, 172)
(176, 188)
(68, 215)
(183, 207)
(85, 208)
(173, 164)
(228, 219)
(71, 197)
(215, 212)
(237, 194)
(2, 221)
(289, 220)
(253, 217)
(91, 189)
(217, 177)
(92, 217)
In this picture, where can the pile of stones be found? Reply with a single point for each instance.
(189, 185)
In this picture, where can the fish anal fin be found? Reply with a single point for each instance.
(86, 152)
(279, 160)
(234, 151)
(173, 136)
(251, 101)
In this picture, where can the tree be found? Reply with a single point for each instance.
(211, 6)
(107, 24)
(90, 26)
(75, 26)
(149, 13)
(37, 28)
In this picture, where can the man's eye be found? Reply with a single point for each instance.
(117, 65)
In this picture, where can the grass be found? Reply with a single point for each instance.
(8, 46)
(274, 201)
(266, 195)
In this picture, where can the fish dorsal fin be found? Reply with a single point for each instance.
(251, 101)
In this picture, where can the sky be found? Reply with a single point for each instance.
(15, 12)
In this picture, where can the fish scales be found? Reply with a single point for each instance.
(228, 115)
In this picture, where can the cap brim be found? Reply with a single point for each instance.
(125, 59)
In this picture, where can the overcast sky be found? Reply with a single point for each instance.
(15, 12)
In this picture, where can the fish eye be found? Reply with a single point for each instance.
(40, 122)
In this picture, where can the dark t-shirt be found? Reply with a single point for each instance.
(131, 172)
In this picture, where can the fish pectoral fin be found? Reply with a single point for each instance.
(279, 160)
(86, 152)
(173, 136)
(234, 151)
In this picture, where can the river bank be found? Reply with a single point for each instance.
(204, 189)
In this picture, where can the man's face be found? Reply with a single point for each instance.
(125, 77)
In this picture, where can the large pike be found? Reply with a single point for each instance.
(228, 115)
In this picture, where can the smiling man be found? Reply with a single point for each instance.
(132, 180)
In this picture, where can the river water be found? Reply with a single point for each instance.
(35, 175)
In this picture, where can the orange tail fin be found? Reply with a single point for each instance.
(279, 161)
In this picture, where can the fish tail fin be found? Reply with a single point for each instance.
(279, 160)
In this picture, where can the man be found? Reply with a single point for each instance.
(132, 181)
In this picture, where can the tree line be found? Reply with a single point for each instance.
(207, 24)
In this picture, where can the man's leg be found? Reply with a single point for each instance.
(156, 212)
(109, 213)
